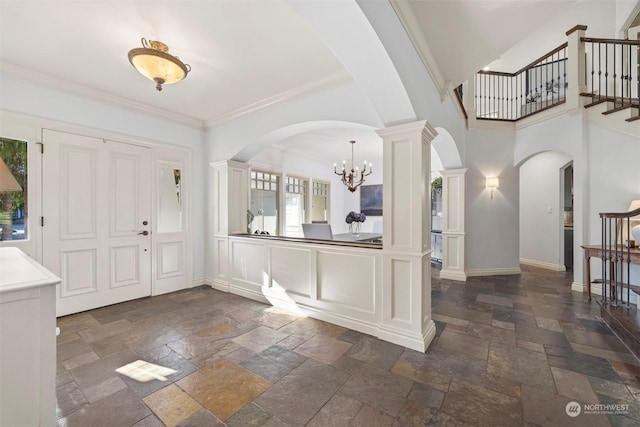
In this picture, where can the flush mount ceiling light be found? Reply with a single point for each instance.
(154, 61)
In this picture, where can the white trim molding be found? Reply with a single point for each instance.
(542, 264)
(493, 272)
(322, 84)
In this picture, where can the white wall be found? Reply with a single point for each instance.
(540, 191)
(51, 105)
(598, 16)
(606, 173)
(614, 175)
(492, 224)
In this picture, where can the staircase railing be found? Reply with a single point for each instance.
(612, 71)
(616, 256)
(536, 87)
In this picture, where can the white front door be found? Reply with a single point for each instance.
(97, 209)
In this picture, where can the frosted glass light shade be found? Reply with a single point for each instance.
(7, 181)
(154, 61)
(633, 206)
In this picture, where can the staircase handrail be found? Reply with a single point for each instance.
(528, 66)
(611, 41)
(620, 214)
(537, 86)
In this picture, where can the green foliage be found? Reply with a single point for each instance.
(436, 184)
(14, 154)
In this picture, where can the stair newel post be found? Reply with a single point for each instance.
(575, 67)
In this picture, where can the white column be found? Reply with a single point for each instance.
(454, 188)
(575, 68)
(231, 201)
(406, 288)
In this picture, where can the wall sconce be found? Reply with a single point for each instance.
(493, 183)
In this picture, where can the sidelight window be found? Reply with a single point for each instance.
(13, 190)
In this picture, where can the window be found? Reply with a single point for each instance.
(264, 202)
(320, 201)
(295, 205)
(169, 195)
(13, 204)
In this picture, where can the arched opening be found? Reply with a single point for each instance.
(546, 211)
(448, 191)
(303, 156)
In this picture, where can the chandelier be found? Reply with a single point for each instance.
(154, 61)
(355, 178)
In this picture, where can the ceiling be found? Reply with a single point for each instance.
(244, 55)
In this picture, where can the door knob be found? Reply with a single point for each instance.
(144, 233)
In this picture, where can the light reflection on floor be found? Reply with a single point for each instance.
(144, 371)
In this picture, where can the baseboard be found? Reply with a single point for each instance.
(202, 281)
(219, 285)
(396, 336)
(459, 276)
(244, 292)
(542, 264)
(493, 272)
(579, 287)
(406, 339)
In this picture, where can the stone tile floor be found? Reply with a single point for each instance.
(509, 351)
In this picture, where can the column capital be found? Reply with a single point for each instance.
(428, 132)
(230, 163)
(462, 171)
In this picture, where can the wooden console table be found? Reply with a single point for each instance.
(596, 252)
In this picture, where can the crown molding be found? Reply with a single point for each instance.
(319, 85)
(55, 83)
(410, 23)
(324, 83)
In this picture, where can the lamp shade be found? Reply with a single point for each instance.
(154, 61)
(7, 181)
(633, 206)
(493, 182)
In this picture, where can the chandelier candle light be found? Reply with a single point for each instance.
(355, 178)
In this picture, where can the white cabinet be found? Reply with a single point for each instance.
(27, 341)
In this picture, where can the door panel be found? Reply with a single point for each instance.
(96, 199)
(172, 238)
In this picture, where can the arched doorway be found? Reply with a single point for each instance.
(546, 211)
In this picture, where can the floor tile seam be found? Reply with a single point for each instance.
(621, 340)
(87, 403)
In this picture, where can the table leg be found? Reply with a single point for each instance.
(588, 271)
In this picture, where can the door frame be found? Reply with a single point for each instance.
(29, 128)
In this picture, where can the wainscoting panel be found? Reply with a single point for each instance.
(247, 262)
(401, 290)
(290, 270)
(402, 194)
(347, 280)
(341, 285)
(221, 259)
